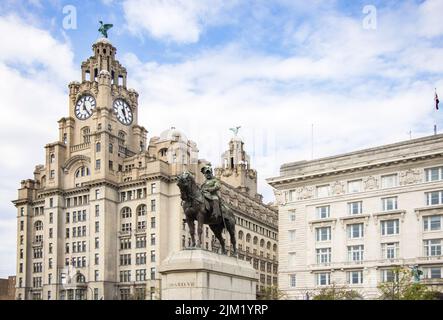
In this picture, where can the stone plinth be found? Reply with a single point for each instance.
(204, 275)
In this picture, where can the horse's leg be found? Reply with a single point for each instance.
(191, 226)
(231, 229)
(217, 230)
(200, 220)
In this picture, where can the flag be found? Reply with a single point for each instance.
(436, 100)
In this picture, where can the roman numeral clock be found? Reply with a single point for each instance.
(86, 104)
(122, 111)
(84, 107)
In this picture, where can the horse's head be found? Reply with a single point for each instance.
(185, 180)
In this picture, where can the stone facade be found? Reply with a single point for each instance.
(349, 219)
(104, 210)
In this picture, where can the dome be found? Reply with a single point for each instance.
(173, 135)
(103, 40)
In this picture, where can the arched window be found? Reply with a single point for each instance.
(81, 278)
(274, 247)
(98, 147)
(85, 133)
(262, 243)
(82, 172)
(163, 152)
(122, 137)
(255, 240)
(268, 245)
(240, 235)
(248, 238)
(126, 212)
(111, 148)
(38, 225)
(141, 210)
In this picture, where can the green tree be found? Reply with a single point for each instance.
(402, 287)
(335, 292)
(271, 293)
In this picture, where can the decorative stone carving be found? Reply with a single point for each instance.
(370, 183)
(410, 176)
(279, 197)
(338, 188)
(305, 193)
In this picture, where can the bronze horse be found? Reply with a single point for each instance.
(194, 207)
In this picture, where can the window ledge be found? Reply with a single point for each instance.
(428, 210)
(385, 215)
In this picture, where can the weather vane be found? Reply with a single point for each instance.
(104, 28)
(235, 130)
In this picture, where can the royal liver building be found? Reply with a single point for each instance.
(104, 210)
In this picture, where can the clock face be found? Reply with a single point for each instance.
(123, 111)
(84, 107)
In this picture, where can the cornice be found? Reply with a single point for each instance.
(286, 179)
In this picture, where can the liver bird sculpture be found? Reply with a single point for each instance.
(104, 28)
(235, 130)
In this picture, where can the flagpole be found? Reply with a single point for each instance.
(436, 109)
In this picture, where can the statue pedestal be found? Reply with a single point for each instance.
(196, 274)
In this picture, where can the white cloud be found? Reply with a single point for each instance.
(172, 20)
(360, 88)
(35, 69)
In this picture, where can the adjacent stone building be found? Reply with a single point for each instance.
(100, 215)
(349, 219)
(7, 288)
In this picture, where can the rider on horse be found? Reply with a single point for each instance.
(210, 191)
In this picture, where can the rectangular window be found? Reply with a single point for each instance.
(291, 215)
(389, 181)
(322, 212)
(97, 164)
(322, 191)
(354, 277)
(152, 205)
(153, 188)
(97, 226)
(323, 279)
(354, 186)
(111, 165)
(97, 193)
(432, 247)
(434, 174)
(388, 275)
(355, 207)
(355, 231)
(97, 210)
(389, 203)
(434, 198)
(390, 250)
(292, 195)
(323, 234)
(291, 259)
(292, 281)
(291, 235)
(434, 273)
(97, 243)
(355, 253)
(323, 256)
(432, 223)
(390, 227)
(96, 275)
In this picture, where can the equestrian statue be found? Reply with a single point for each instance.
(204, 205)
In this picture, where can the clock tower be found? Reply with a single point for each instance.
(103, 115)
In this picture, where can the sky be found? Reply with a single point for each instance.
(303, 79)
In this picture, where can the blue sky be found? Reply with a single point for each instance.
(273, 67)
